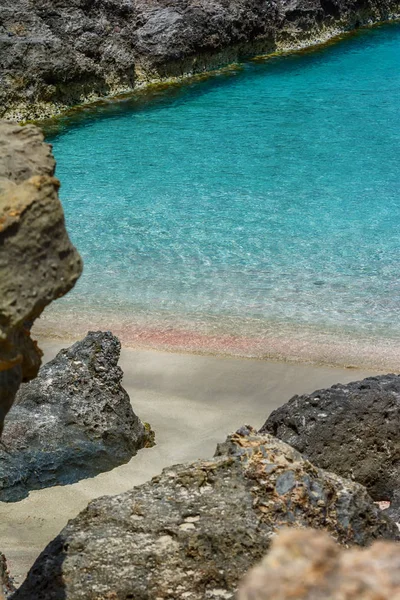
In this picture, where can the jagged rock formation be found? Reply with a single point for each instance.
(308, 565)
(195, 530)
(37, 260)
(350, 429)
(58, 54)
(73, 421)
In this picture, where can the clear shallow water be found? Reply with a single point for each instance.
(264, 199)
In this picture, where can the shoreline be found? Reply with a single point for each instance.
(217, 63)
(277, 343)
(192, 402)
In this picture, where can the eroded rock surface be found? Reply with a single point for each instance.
(308, 565)
(350, 429)
(55, 54)
(38, 263)
(73, 421)
(195, 530)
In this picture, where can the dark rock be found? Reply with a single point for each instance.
(350, 429)
(308, 565)
(73, 421)
(55, 54)
(195, 530)
(37, 260)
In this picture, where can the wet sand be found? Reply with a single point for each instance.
(252, 339)
(192, 402)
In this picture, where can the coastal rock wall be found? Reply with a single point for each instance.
(38, 263)
(57, 54)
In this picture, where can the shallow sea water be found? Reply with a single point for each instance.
(256, 205)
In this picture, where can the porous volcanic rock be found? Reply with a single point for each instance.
(195, 530)
(38, 263)
(308, 565)
(59, 53)
(73, 421)
(352, 429)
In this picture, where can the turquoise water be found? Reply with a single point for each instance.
(263, 198)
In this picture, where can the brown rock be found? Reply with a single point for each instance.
(309, 565)
(6, 582)
(37, 260)
(349, 429)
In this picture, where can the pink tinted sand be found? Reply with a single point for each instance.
(276, 343)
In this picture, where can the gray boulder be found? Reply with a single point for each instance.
(73, 421)
(195, 530)
(350, 429)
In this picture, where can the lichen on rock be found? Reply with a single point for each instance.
(196, 529)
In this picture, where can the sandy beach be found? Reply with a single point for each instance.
(249, 338)
(192, 402)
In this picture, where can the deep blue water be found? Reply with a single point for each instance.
(268, 194)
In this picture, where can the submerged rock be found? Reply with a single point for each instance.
(308, 565)
(195, 530)
(350, 429)
(73, 421)
(38, 263)
(53, 56)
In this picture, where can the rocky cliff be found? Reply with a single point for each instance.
(37, 260)
(58, 53)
